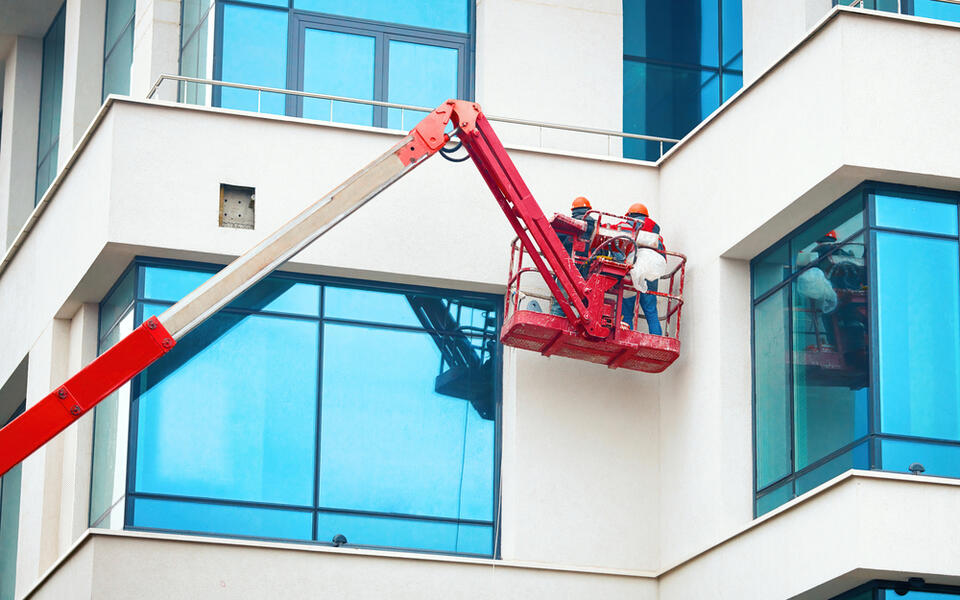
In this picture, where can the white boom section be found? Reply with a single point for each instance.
(283, 244)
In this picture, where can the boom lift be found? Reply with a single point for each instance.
(590, 329)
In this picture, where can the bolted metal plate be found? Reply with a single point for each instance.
(237, 206)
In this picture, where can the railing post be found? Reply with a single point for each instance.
(661, 148)
(259, 92)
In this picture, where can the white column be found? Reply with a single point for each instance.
(18, 139)
(156, 46)
(78, 438)
(41, 473)
(82, 71)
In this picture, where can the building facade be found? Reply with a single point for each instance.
(351, 425)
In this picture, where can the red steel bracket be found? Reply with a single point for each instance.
(428, 135)
(61, 407)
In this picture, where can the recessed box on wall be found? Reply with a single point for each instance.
(237, 206)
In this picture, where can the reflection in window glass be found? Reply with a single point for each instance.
(919, 335)
(212, 423)
(350, 75)
(9, 525)
(902, 212)
(230, 417)
(684, 31)
(450, 15)
(391, 441)
(773, 268)
(937, 459)
(830, 354)
(420, 75)
(771, 384)
(118, 47)
(857, 458)
(836, 225)
(254, 52)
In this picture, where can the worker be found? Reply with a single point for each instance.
(578, 246)
(650, 248)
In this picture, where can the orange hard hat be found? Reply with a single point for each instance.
(638, 209)
(832, 234)
(581, 202)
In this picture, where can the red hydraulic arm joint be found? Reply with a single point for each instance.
(61, 407)
(521, 209)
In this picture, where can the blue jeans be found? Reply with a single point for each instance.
(648, 304)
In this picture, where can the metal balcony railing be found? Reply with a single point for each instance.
(547, 135)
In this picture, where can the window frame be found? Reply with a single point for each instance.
(139, 299)
(874, 437)
(384, 32)
(49, 153)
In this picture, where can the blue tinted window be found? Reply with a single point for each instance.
(51, 91)
(774, 498)
(915, 595)
(773, 268)
(732, 34)
(450, 15)
(118, 47)
(390, 441)
(351, 75)
(937, 9)
(684, 31)
(225, 425)
(732, 82)
(117, 302)
(367, 305)
(937, 459)
(665, 101)
(420, 75)
(857, 458)
(366, 530)
(919, 335)
(772, 388)
(901, 212)
(223, 519)
(229, 413)
(254, 52)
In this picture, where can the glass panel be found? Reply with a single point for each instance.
(338, 64)
(732, 33)
(732, 82)
(368, 305)
(193, 63)
(255, 53)
(119, 13)
(905, 212)
(372, 530)
(664, 101)
(279, 294)
(919, 335)
(937, 9)
(119, 300)
(937, 459)
(116, 69)
(857, 458)
(820, 237)
(771, 270)
(771, 387)
(110, 430)
(9, 526)
(396, 434)
(222, 519)
(171, 284)
(51, 86)
(420, 75)
(450, 15)
(774, 498)
(46, 172)
(831, 357)
(231, 412)
(915, 595)
(684, 31)
(192, 12)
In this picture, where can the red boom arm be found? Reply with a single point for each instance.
(158, 335)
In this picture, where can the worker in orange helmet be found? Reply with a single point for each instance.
(578, 247)
(647, 233)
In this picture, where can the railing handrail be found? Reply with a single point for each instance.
(513, 121)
